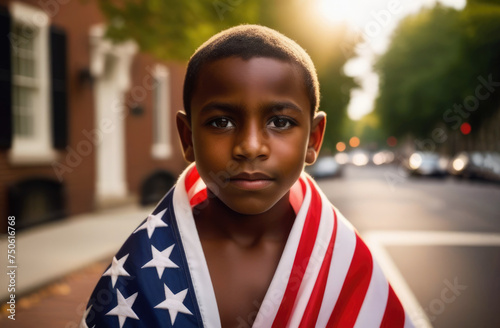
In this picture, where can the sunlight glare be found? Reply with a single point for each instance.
(335, 11)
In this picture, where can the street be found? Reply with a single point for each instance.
(437, 239)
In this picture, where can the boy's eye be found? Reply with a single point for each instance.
(222, 123)
(281, 123)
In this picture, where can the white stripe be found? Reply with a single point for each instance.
(408, 322)
(343, 252)
(397, 237)
(416, 314)
(321, 243)
(198, 186)
(194, 255)
(274, 294)
(375, 302)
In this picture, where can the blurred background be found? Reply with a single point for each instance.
(88, 95)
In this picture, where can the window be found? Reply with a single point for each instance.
(161, 148)
(29, 39)
(25, 83)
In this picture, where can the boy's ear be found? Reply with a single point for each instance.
(316, 137)
(186, 136)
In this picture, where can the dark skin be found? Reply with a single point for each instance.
(251, 132)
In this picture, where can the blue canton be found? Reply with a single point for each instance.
(148, 283)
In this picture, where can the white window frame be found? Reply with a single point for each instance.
(161, 146)
(36, 149)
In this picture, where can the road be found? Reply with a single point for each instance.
(438, 239)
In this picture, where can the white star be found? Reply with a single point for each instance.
(83, 323)
(153, 222)
(161, 260)
(124, 308)
(173, 303)
(117, 269)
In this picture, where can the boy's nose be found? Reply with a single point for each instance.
(251, 143)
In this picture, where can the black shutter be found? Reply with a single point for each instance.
(59, 87)
(5, 80)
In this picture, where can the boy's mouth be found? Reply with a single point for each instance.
(251, 181)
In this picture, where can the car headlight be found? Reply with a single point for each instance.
(379, 158)
(460, 163)
(342, 158)
(360, 159)
(415, 161)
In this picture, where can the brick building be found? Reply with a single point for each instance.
(84, 123)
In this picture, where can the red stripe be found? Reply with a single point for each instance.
(304, 250)
(303, 185)
(394, 315)
(312, 310)
(199, 197)
(354, 289)
(191, 177)
(296, 196)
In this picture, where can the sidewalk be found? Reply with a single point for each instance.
(58, 304)
(49, 252)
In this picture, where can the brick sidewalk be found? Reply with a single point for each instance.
(59, 304)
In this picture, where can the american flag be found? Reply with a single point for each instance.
(326, 276)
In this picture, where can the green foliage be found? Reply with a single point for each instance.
(418, 72)
(475, 2)
(335, 95)
(369, 132)
(433, 64)
(173, 29)
(481, 47)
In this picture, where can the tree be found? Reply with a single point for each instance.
(433, 67)
(481, 51)
(174, 29)
(418, 73)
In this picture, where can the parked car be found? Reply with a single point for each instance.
(427, 164)
(326, 166)
(492, 166)
(476, 164)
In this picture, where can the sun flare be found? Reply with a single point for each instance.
(337, 11)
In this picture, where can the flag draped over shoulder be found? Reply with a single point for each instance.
(326, 276)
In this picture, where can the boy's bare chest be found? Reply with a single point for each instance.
(241, 278)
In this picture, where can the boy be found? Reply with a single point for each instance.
(246, 238)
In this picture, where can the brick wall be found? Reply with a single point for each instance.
(76, 17)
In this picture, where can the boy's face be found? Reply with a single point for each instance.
(250, 131)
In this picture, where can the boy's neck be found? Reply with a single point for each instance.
(215, 220)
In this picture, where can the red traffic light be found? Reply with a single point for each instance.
(465, 128)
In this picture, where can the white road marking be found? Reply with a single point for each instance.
(378, 240)
(448, 238)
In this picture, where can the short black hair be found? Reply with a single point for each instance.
(246, 42)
